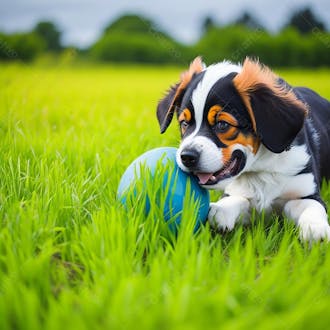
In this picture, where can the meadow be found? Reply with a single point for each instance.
(72, 258)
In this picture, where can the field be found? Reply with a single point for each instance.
(72, 258)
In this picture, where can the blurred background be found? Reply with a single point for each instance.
(280, 33)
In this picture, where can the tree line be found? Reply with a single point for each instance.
(303, 41)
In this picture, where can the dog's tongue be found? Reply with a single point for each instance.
(203, 177)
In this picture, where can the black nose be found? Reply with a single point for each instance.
(189, 158)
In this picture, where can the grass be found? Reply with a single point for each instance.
(72, 257)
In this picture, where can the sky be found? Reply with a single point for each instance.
(82, 21)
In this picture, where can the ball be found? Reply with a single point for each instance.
(160, 167)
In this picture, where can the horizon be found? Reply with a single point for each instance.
(84, 26)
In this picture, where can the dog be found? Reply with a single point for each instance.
(247, 132)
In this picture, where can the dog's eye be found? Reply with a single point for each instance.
(222, 126)
(184, 125)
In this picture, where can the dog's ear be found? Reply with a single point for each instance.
(173, 99)
(277, 115)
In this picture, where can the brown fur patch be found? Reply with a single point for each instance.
(168, 105)
(245, 140)
(185, 115)
(212, 114)
(230, 119)
(196, 66)
(226, 155)
(254, 74)
(234, 136)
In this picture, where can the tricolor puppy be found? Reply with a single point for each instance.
(247, 132)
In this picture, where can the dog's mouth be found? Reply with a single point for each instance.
(230, 169)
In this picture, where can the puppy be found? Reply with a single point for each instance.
(247, 132)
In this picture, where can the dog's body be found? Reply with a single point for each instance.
(247, 132)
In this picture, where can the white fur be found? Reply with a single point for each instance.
(211, 76)
(287, 162)
(311, 218)
(269, 176)
(228, 211)
(221, 185)
(267, 181)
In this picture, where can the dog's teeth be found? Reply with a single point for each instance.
(232, 164)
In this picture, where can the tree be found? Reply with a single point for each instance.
(304, 20)
(247, 20)
(131, 24)
(132, 38)
(208, 24)
(20, 46)
(50, 34)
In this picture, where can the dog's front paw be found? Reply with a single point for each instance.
(224, 214)
(313, 230)
(311, 218)
(221, 218)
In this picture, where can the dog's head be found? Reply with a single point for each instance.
(225, 112)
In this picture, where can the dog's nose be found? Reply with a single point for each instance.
(189, 158)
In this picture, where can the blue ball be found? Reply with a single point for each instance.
(174, 183)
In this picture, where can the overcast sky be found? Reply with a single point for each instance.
(82, 21)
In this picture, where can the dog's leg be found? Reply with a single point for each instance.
(311, 218)
(225, 213)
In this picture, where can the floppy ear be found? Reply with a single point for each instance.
(173, 99)
(277, 115)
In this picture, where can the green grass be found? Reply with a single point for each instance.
(72, 258)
